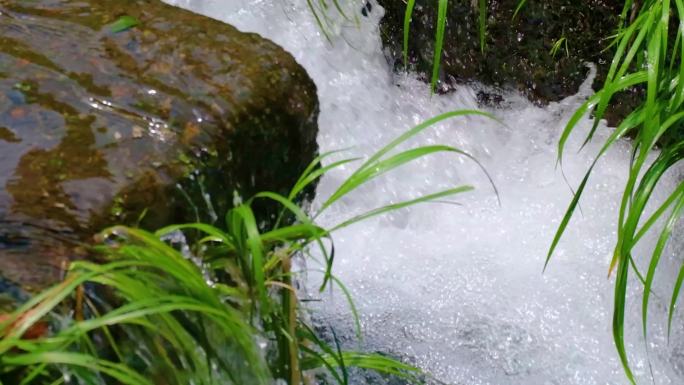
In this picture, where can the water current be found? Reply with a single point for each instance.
(458, 290)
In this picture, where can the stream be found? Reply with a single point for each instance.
(458, 290)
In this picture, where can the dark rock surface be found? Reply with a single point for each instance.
(518, 50)
(154, 123)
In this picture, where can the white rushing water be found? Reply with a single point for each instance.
(459, 290)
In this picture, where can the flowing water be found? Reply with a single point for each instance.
(458, 289)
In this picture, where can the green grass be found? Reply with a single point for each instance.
(319, 13)
(410, 5)
(230, 315)
(439, 42)
(439, 37)
(187, 322)
(440, 32)
(558, 45)
(518, 8)
(645, 56)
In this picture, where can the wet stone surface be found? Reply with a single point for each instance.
(151, 124)
(518, 53)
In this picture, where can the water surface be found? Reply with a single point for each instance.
(459, 290)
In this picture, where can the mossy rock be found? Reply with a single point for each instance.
(135, 112)
(518, 51)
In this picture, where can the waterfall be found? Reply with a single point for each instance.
(458, 290)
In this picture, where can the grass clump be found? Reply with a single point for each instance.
(203, 304)
(645, 56)
(649, 54)
(440, 32)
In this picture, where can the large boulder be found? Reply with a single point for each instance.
(519, 51)
(135, 112)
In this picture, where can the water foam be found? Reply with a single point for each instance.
(459, 290)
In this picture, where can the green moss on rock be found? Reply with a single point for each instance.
(518, 51)
(166, 117)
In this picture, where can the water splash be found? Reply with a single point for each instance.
(458, 290)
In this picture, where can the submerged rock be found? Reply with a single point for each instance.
(135, 112)
(519, 51)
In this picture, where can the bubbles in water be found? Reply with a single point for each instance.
(459, 290)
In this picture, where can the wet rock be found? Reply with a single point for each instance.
(135, 112)
(518, 52)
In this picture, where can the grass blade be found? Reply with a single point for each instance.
(439, 42)
(407, 28)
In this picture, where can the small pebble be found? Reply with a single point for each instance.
(137, 132)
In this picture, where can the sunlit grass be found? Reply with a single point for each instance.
(439, 37)
(205, 305)
(644, 56)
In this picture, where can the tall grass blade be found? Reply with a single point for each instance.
(673, 300)
(518, 8)
(439, 42)
(407, 28)
(655, 258)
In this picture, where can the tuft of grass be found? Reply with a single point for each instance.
(558, 45)
(319, 13)
(644, 56)
(202, 304)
